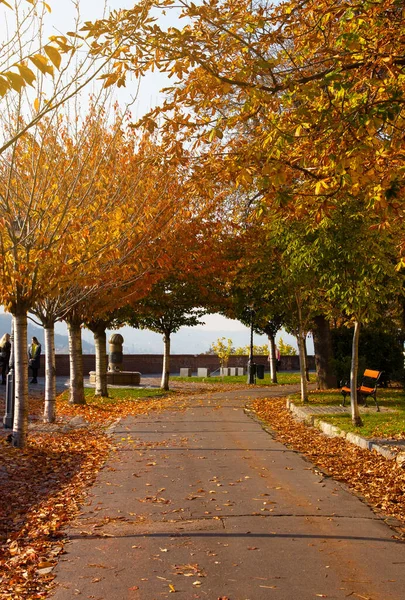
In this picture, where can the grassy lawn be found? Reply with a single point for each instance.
(283, 379)
(389, 423)
(117, 395)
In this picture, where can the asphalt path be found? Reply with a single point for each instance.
(203, 503)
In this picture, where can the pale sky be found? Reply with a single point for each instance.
(63, 16)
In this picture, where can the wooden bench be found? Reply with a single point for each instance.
(368, 387)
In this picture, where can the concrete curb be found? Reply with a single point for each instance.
(330, 430)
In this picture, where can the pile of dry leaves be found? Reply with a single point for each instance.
(41, 487)
(379, 481)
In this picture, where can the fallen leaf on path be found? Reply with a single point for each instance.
(380, 481)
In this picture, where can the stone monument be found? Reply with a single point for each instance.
(115, 374)
(115, 356)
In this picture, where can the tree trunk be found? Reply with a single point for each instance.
(166, 362)
(326, 379)
(100, 343)
(76, 395)
(353, 376)
(50, 373)
(273, 358)
(20, 424)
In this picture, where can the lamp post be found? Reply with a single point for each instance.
(251, 367)
(9, 414)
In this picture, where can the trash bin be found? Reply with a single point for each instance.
(260, 371)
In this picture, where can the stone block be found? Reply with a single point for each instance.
(203, 372)
(240, 370)
(353, 438)
(129, 378)
(185, 372)
(232, 371)
(224, 371)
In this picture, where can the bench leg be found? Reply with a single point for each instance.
(344, 394)
(375, 400)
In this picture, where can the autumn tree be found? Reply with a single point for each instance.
(148, 207)
(169, 306)
(302, 104)
(66, 161)
(95, 224)
(357, 270)
(223, 348)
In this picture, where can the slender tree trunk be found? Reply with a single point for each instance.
(50, 373)
(20, 424)
(100, 343)
(326, 379)
(76, 395)
(353, 376)
(273, 358)
(166, 362)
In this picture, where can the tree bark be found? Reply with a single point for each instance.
(50, 373)
(273, 358)
(326, 379)
(166, 362)
(76, 395)
(356, 419)
(20, 424)
(100, 343)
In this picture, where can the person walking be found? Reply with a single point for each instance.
(34, 356)
(5, 351)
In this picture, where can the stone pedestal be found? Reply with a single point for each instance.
(202, 372)
(185, 372)
(240, 371)
(128, 378)
(224, 371)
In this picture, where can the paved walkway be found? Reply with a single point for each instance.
(203, 503)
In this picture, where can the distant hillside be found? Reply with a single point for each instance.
(61, 341)
(188, 340)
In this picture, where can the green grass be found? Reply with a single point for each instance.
(375, 424)
(283, 379)
(117, 394)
